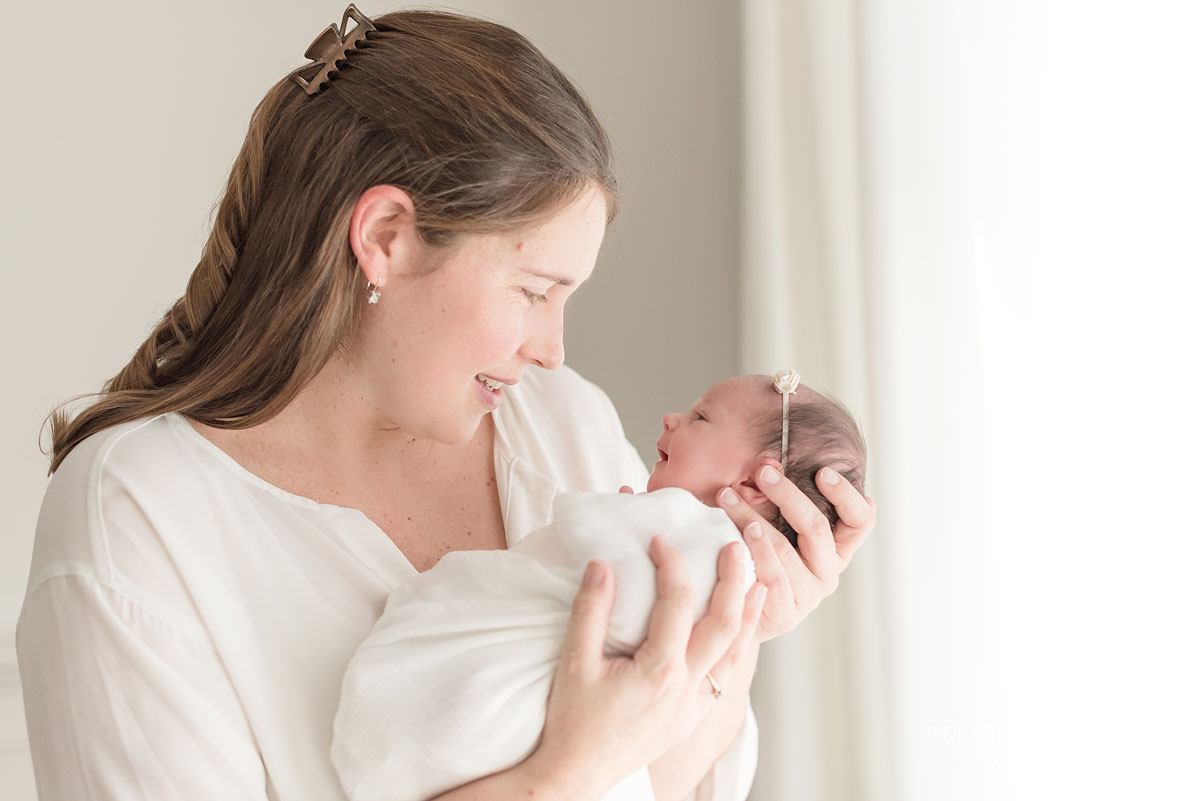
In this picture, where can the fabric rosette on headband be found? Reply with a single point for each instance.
(786, 382)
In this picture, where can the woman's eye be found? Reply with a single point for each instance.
(533, 296)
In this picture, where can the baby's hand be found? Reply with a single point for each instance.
(627, 490)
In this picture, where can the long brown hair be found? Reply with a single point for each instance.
(466, 116)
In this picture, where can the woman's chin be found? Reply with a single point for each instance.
(455, 432)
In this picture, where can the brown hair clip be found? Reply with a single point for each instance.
(330, 47)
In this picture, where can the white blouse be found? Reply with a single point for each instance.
(187, 624)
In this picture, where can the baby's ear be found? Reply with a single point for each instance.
(748, 488)
(750, 492)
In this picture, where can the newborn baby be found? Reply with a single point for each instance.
(452, 683)
(743, 428)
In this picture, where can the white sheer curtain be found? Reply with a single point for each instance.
(975, 223)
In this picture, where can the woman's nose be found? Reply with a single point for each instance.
(545, 347)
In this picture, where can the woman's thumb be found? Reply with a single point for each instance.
(588, 624)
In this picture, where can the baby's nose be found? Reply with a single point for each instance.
(669, 421)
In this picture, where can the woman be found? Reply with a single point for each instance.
(333, 404)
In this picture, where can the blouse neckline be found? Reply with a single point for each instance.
(370, 544)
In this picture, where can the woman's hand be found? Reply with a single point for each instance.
(609, 717)
(798, 579)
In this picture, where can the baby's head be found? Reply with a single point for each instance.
(737, 426)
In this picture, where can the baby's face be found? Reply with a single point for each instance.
(711, 446)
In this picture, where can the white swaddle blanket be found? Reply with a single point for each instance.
(453, 681)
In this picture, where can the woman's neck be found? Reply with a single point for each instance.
(332, 434)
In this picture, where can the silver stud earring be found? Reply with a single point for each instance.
(372, 293)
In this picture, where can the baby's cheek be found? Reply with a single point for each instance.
(655, 481)
(706, 489)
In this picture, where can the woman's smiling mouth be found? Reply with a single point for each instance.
(490, 383)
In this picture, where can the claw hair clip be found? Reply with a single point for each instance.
(329, 48)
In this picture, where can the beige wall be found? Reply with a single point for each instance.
(112, 160)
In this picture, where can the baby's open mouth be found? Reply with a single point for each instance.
(662, 455)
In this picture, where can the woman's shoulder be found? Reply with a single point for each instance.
(148, 447)
(110, 494)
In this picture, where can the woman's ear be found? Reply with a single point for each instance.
(383, 233)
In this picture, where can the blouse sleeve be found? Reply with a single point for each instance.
(122, 705)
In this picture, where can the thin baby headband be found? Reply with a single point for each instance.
(786, 382)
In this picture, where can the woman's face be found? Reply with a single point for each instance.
(493, 307)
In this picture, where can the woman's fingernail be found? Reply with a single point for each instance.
(760, 592)
(592, 575)
(753, 531)
(728, 497)
(769, 475)
(829, 476)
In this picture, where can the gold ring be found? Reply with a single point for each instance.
(716, 691)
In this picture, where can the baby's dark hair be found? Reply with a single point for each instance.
(821, 433)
